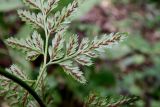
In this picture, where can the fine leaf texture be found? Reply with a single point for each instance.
(56, 51)
(91, 49)
(14, 69)
(11, 91)
(60, 17)
(81, 53)
(49, 5)
(84, 60)
(72, 45)
(32, 46)
(73, 70)
(95, 100)
(32, 18)
(45, 6)
(67, 53)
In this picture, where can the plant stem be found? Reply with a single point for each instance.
(40, 76)
(45, 52)
(24, 85)
(64, 59)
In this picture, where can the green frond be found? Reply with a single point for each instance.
(106, 41)
(61, 17)
(67, 53)
(73, 70)
(49, 5)
(56, 51)
(36, 20)
(83, 60)
(72, 46)
(14, 69)
(95, 100)
(82, 53)
(12, 92)
(32, 46)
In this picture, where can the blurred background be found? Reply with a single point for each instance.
(132, 68)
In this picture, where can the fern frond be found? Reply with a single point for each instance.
(95, 100)
(49, 5)
(57, 48)
(82, 53)
(11, 91)
(14, 69)
(32, 18)
(67, 54)
(37, 41)
(60, 17)
(98, 45)
(33, 45)
(91, 49)
(72, 45)
(19, 44)
(31, 56)
(84, 60)
(73, 70)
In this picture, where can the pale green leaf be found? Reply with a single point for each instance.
(57, 49)
(73, 70)
(32, 46)
(72, 45)
(32, 18)
(84, 60)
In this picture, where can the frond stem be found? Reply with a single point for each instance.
(64, 59)
(22, 84)
(45, 52)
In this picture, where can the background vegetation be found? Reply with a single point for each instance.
(132, 68)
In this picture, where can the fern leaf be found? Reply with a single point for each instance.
(56, 51)
(14, 69)
(12, 92)
(84, 44)
(31, 56)
(49, 5)
(91, 49)
(32, 46)
(83, 60)
(19, 44)
(37, 41)
(95, 100)
(99, 44)
(33, 3)
(72, 45)
(60, 17)
(32, 18)
(82, 53)
(74, 71)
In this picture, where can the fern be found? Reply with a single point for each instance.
(68, 54)
(60, 17)
(95, 100)
(11, 91)
(80, 53)
(32, 46)
(32, 18)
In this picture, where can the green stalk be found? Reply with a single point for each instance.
(62, 60)
(22, 84)
(45, 52)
